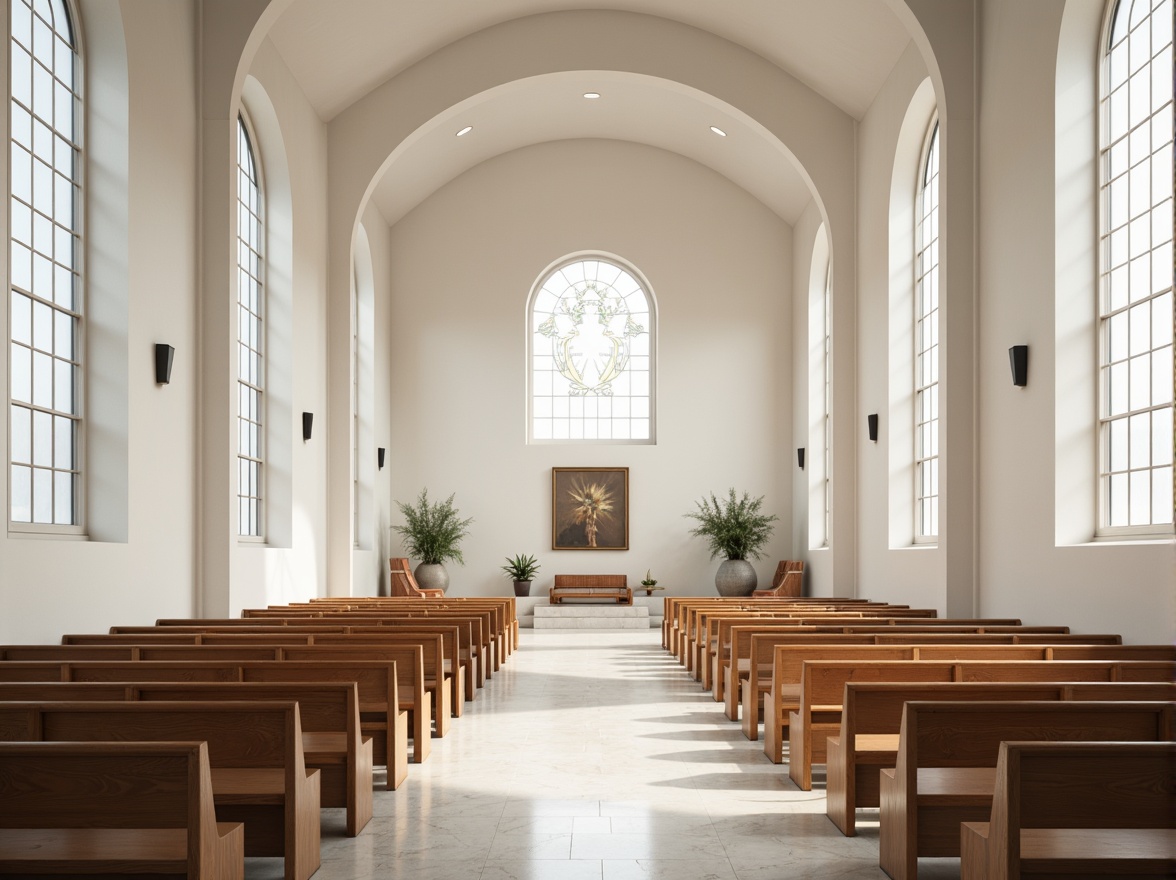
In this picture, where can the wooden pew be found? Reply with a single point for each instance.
(425, 690)
(867, 737)
(946, 767)
(674, 605)
(258, 772)
(783, 693)
(1062, 809)
(732, 657)
(95, 809)
(331, 740)
(383, 713)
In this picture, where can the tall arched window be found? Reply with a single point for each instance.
(1136, 269)
(45, 281)
(250, 339)
(927, 342)
(591, 328)
(827, 421)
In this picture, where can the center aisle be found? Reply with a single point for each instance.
(594, 756)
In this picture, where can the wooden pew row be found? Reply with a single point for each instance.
(474, 644)
(692, 640)
(710, 641)
(946, 765)
(259, 775)
(503, 620)
(505, 604)
(481, 621)
(731, 654)
(329, 712)
(682, 613)
(871, 716)
(730, 637)
(92, 809)
(1062, 809)
(782, 694)
(673, 609)
(383, 713)
(424, 691)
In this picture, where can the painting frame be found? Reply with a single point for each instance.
(582, 528)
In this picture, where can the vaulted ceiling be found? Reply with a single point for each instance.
(340, 50)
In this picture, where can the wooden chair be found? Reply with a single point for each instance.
(787, 582)
(402, 583)
(113, 808)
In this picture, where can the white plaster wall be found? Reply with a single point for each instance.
(905, 574)
(292, 565)
(720, 266)
(1129, 588)
(48, 587)
(370, 565)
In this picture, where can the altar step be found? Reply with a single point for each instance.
(591, 617)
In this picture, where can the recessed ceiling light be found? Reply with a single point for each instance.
(592, 96)
(465, 131)
(718, 131)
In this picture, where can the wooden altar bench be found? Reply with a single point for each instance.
(606, 587)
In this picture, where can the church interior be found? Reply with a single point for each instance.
(900, 270)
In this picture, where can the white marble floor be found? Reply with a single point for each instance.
(594, 756)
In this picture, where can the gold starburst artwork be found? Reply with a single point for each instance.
(590, 509)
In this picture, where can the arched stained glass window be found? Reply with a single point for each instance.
(1136, 269)
(927, 343)
(45, 281)
(250, 339)
(592, 355)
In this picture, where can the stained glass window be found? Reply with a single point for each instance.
(592, 339)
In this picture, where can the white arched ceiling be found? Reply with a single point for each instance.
(631, 107)
(342, 49)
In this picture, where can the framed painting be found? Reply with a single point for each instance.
(590, 508)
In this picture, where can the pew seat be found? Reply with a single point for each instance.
(945, 770)
(121, 809)
(255, 755)
(1077, 810)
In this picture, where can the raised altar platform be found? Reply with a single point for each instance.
(591, 617)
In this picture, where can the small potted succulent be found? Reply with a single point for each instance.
(521, 569)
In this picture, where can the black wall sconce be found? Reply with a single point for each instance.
(1019, 364)
(380, 457)
(800, 458)
(872, 426)
(164, 355)
(307, 424)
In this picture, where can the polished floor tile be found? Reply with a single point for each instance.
(595, 756)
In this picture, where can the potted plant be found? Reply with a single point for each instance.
(650, 583)
(522, 571)
(736, 529)
(432, 533)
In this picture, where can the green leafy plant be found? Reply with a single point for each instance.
(648, 581)
(734, 527)
(432, 533)
(521, 568)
